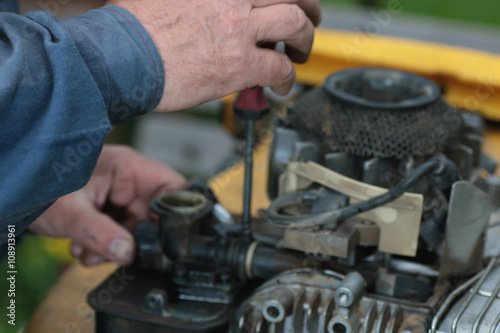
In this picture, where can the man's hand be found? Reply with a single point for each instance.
(211, 48)
(97, 217)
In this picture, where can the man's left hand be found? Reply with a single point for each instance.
(99, 217)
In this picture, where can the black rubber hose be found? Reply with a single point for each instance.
(435, 166)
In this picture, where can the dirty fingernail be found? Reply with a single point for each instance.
(76, 250)
(121, 249)
(93, 259)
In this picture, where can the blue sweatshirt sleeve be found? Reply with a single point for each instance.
(63, 85)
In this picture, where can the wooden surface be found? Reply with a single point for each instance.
(65, 308)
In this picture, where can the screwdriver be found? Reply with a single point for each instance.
(250, 106)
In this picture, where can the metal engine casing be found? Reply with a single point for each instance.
(322, 301)
(195, 272)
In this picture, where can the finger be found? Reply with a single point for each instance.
(76, 250)
(101, 235)
(286, 23)
(312, 8)
(174, 184)
(91, 259)
(137, 211)
(137, 176)
(274, 69)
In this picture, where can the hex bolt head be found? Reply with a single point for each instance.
(155, 301)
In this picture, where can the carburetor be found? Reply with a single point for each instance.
(383, 219)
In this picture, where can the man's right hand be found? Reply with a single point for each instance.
(211, 48)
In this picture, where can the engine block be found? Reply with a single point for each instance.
(384, 218)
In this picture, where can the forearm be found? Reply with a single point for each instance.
(64, 84)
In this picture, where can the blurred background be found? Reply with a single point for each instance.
(205, 140)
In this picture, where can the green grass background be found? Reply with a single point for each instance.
(38, 263)
(480, 11)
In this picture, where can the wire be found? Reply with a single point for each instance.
(434, 165)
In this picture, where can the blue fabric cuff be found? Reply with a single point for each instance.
(123, 56)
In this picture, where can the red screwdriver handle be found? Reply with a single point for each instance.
(251, 104)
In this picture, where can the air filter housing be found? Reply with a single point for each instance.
(377, 112)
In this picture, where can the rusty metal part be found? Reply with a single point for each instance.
(403, 214)
(338, 243)
(415, 323)
(332, 243)
(156, 301)
(180, 215)
(325, 303)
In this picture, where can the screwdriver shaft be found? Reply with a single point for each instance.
(247, 191)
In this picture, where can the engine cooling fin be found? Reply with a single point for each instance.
(376, 112)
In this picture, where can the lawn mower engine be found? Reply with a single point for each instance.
(383, 219)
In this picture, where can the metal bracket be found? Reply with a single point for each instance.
(399, 221)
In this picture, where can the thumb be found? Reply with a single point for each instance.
(100, 234)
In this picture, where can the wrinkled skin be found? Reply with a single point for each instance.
(210, 48)
(99, 217)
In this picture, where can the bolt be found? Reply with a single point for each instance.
(156, 300)
(343, 298)
(153, 302)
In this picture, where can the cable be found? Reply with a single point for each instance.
(440, 171)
